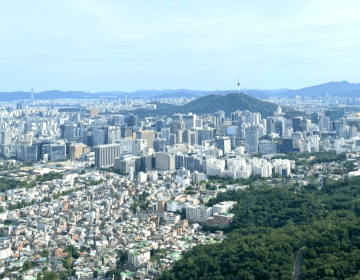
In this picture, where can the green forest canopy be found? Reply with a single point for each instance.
(272, 224)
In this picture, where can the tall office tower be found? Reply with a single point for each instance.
(160, 124)
(344, 131)
(149, 135)
(133, 120)
(220, 115)
(186, 137)
(252, 140)
(235, 116)
(287, 145)
(164, 161)
(177, 117)
(224, 144)
(54, 151)
(112, 134)
(27, 153)
(353, 131)
(332, 114)
(325, 124)
(105, 155)
(176, 125)
(165, 133)
(69, 131)
(306, 125)
(277, 125)
(131, 173)
(98, 135)
(32, 95)
(314, 118)
(297, 124)
(255, 118)
(189, 120)
(6, 138)
(288, 124)
(204, 134)
(238, 84)
(179, 134)
(315, 139)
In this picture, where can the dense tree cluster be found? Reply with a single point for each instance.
(321, 222)
(318, 157)
(9, 184)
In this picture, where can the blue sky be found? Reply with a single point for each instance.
(109, 45)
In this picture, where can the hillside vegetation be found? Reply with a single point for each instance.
(212, 103)
(273, 224)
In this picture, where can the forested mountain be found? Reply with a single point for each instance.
(212, 103)
(318, 223)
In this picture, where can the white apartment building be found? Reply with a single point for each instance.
(198, 213)
(223, 207)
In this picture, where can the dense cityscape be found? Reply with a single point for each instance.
(179, 140)
(90, 190)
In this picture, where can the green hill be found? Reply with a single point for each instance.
(212, 103)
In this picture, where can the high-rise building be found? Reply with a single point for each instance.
(296, 121)
(189, 120)
(27, 153)
(164, 161)
(252, 140)
(198, 213)
(204, 134)
(55, 151)
(165, 133)
(325, 124)
(93, 113)
(6, 138)
(332, 114)
(149, 135)
(32, 95)
(224, 144)
(105, 155)
(133, 120)
(76, 149)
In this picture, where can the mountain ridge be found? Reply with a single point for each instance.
(212, 103)
(332, 88)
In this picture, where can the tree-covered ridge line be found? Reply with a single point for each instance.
(10, 183)
(272, 224)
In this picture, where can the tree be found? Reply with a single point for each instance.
(73, 252)
(45, 253)
(27, 265)
(50, 275)
(116, 273)
(63, 276)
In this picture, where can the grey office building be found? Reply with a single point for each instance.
(252, 140)
(105, 155)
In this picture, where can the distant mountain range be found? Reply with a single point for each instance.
(343, 88)
(332, 88)
(212, 103)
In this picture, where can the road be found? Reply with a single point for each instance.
(297, 265)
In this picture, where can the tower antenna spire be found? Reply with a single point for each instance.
(238, 84)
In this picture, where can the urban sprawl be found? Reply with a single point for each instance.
(90, 190)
